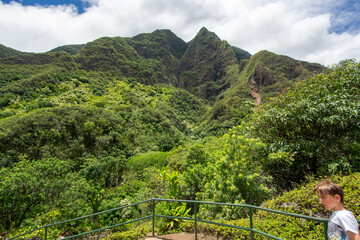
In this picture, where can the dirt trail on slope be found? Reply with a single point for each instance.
(254, 91)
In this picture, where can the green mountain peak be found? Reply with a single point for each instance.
(202, 67)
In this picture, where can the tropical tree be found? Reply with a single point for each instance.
(314, 127)
(33, 187)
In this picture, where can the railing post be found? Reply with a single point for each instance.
(45, 233)
(251, 224)
(153, 217)
(195, 213)
(326, 230)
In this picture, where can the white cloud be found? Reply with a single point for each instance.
(296, 28)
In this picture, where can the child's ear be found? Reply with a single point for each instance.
(337, 197)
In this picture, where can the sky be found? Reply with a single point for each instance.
(322, 31)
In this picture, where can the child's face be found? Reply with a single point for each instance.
(329, 201)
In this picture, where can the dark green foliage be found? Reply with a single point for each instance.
(225, 114)
(60, 59)
(72, 49)
(116, 57)
(108, 54)
(27, 82)
(12, 73)
(103, 175)
(240, 53)
(6, 52)
(207, 58)
(161, 41)
(69, 133)
(162, 46)
(5, 99)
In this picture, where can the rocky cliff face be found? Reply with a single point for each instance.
(271, 73)
(261, 77)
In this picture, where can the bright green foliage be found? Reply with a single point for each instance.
(236, 175)
(131, 118)
(30, 188)
(226, 169)
(170, 181)
(317, 124)
(139, 163)
(171, 209)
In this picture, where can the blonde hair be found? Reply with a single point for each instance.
(328, 187)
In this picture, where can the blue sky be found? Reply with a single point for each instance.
(344, 14)
(324, 31)
(345, 17)
(79, 4)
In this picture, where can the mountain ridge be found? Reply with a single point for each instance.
(226, 77)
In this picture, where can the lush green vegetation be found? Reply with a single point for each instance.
(8, 52)
(88, 128)
(72, 49)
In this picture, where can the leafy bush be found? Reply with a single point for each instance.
(29, 188)
(316, 124)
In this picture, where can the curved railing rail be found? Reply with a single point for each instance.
(196, 205)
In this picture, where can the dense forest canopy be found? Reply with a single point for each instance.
(84, 128)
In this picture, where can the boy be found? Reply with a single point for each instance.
(343, 224)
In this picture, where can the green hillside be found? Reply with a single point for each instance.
(72, 49)
(6, 52)
(85, 128)
(259, 78)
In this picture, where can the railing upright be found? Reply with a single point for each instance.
(195, 216)
(251, 224)
(46, 228)
(153, 217)
(325, 230)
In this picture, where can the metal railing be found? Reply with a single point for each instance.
(196, 205)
